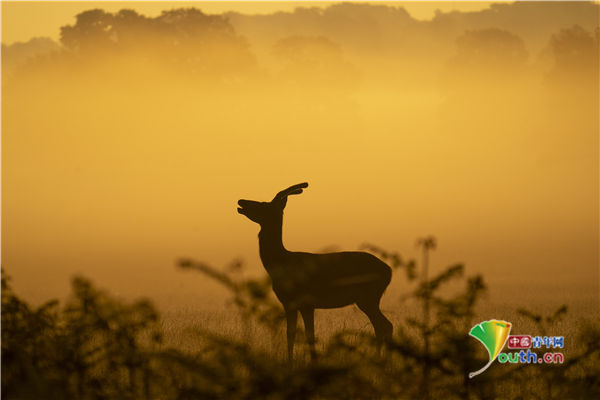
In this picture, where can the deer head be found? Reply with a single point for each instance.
(265, 212)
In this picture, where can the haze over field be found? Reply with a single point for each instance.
(127, 144)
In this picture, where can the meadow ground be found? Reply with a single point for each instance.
(181, 324)
(97, 346)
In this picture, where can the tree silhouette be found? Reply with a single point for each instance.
(314, 60)
(185, 38)
(485, 59)
(93, 30)
(575, 53)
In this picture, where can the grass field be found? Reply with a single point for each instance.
(181, 326)
(98, 347)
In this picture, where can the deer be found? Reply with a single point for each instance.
(303, 281)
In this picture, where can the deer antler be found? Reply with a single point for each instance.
(296, 189)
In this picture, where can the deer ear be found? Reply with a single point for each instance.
(281, 200)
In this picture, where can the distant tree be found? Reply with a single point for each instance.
(314, 52)
(184, 38)
(575, 52)
(485, 58)
(19, 53)
(490, 47)
(314, 60)
(93, 29)
(97, 28)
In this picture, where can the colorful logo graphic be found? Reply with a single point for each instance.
(493, 334)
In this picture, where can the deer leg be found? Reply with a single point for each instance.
(382, 326)
(291, 319)
(308, 316)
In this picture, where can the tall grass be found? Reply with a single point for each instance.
(96, 347)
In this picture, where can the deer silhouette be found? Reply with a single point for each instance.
(305, 281)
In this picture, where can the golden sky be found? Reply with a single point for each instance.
(22, 20)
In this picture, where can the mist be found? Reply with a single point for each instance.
(128, 144)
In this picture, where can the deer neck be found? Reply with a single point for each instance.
(271, 245)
